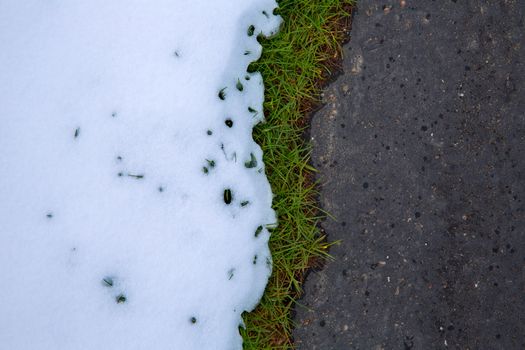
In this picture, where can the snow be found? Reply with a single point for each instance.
(134, 205)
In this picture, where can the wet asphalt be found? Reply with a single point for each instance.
(420, 148)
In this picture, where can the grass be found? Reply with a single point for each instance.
(294, 65)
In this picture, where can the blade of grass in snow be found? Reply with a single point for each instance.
(293, 63)
(129, 218)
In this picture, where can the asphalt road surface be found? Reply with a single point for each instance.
(421, 152)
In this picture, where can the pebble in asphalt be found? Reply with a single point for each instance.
(421, 152)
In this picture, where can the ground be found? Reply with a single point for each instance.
(420, 149)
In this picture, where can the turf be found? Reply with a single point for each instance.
(294, 65)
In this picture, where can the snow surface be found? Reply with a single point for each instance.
(134, 205)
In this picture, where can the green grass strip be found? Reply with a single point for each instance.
(294, 64)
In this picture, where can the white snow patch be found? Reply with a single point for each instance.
(134, 204)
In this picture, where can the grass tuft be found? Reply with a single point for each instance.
(294, 64)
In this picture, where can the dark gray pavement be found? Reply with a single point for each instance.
(421, 151)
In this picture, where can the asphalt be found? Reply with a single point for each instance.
(420, 148)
